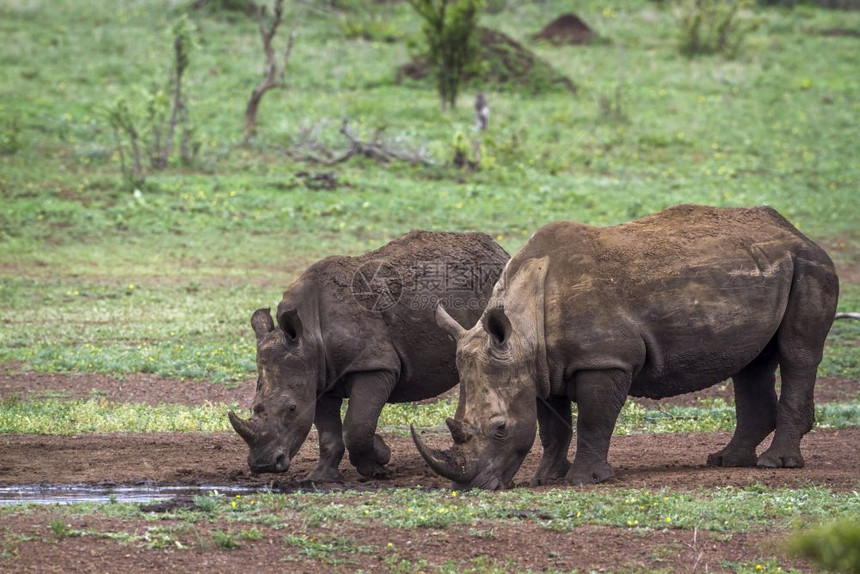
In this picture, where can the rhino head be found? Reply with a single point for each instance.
(288, 373)
(502, 367)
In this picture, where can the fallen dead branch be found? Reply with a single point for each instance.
(848, 315)
(311, 150)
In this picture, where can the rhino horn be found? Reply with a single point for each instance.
(447, 322)
(445, 463)
(246, 429)
(461, 431)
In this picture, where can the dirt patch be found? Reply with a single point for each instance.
(653, 461)
(52, 539)
(132, 388)
(566, 29)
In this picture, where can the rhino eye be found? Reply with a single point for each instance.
(500, 429)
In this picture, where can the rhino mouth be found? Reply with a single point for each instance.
(265, 456)
(280, 464)
(462, 466)
(459, 466)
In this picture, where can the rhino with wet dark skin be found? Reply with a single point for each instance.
(361, 328)
(668, 304)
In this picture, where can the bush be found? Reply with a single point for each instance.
(166, 109)
(834, 547)
(449, 32)
(713, 26)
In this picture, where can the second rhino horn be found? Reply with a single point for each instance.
(460, 431)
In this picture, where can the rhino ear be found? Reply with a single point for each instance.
(447, 322)
(291, 324)
(497, 325)
(261, 322)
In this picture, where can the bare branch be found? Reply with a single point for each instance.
(376, 149)
(273, 72)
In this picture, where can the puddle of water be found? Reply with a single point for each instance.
(149, 493)
(76, 493)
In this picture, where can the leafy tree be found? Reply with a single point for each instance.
(449, 30)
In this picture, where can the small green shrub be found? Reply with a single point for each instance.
(225, 540)
(61, 529)
(713, 26)
(10, 136)
(208, 503)
(451, 43)
(166, 110)
(252, 533)
(834, 547)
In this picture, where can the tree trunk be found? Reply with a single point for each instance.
(251, 111)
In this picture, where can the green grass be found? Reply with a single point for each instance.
(204, 246)
(312, 520)
(71, 417)
(754, 508)
(58, 417)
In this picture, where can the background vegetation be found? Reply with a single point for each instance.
(107, 274)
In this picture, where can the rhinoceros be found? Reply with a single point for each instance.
(361, 328)
(668, 304)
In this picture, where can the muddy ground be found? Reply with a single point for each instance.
(30, 543)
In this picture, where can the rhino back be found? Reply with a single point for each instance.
(684, 298)
(376, 310)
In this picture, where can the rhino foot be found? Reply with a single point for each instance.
(544, 476)
(584, 474)
(381, 452)
(324, 474)
(728, 457)
(374, 470)
(780, 460)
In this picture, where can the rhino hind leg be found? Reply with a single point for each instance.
(556, 431)
(801, 336)
(795, 416)
(756, 405)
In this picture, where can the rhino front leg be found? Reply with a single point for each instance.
(368, 393)
(556, 431)
(330, 430)
(599, 397)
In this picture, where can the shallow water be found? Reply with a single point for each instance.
(76, 493)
